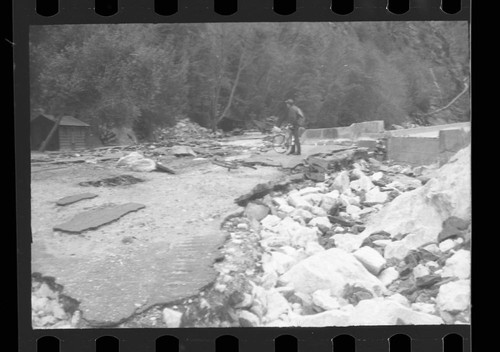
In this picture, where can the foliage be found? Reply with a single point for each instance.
(147, 75)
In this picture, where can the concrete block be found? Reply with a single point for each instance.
(413, 150)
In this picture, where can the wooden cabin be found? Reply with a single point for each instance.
(72, 133)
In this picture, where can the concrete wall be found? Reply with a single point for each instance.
(417, 150)
(354, 131)
(429, 131)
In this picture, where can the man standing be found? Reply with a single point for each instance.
(295, 117)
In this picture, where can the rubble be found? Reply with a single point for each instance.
(172, 318)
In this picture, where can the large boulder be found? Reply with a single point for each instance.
(256, 211)
(422, 211)
(341, 182)
(378, 311)
(136, 162)
(331, 269)
(371, 259)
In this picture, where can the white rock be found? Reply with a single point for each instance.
(328, 203)
(446, 245)
(398, 297)
(269, 280)
(363, 183)
(137, 162)
(313, 247)
(317, 211)
(375, 196)
(377, 176)
(341, 182)
(382, 243)
(371, 259)
(297, 234)
(286, 208)
(388, 276)
(378, 311)
(350, 200)
(297, 201)
(324, 300)
(321, 222)
(458, 265)
(353, 210)
(270, 221)
(280, 262)
(313, 198)
(420, 270)
(172, 318)
(276, 305)
(347, 242)
(331, 269)
(423, 210)
(398, 249)
(454, 296)
(428, 308)
(280, 201)
(339, 229)
(301, 214)
(308, 190)
(333, 194)
(328, 318)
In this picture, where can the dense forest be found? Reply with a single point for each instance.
(227, 75)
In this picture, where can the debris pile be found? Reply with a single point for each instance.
(370, 245)
(50, 308)
(185, 129)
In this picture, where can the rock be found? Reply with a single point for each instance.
(245, 301)
(381, 243)
(458, 265)
(75, 198)
(388, 276)
(324, 300)
(317, 211)
(242, 226)
(298, 202)
(363, 183)
(278, 261)
(45, 291)
(353, 210)
(313, 198)
(398, 249)
(333, 194)
(270, 221)
(322, 223)
(172, 318)
(286, 208)
(420, 271)
(256, 211)
(422, 211)
(446, 245)
(371, 259)
(331, 269)
(377, 176)
(297, 235)
(137, 162)
(350, 200)
(397, 297)
(330, 205)
(427, 308)
(454, 297)
(341, 182)
(248, 319)
(182, 150)
(313, 247)
(378, 311)
(302, 214)
(375, 196)
(308, 190)
(347, 242)
(452, 227)
(269, 280)
(328, 318)
(279, 201)
(276, 305)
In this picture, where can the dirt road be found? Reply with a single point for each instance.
(158, 254)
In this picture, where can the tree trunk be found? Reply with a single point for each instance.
(44, 144)
(233, 89)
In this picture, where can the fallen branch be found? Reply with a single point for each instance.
(450, 103)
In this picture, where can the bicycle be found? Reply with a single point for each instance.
(282, 140)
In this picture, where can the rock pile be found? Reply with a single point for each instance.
(364, 247)
(184, 129)
(51, 309)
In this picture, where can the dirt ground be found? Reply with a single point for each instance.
(155, 255)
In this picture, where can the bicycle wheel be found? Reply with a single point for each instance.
(279, 143)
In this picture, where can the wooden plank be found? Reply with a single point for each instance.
(96, 218)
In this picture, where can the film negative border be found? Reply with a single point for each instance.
(424, 338)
